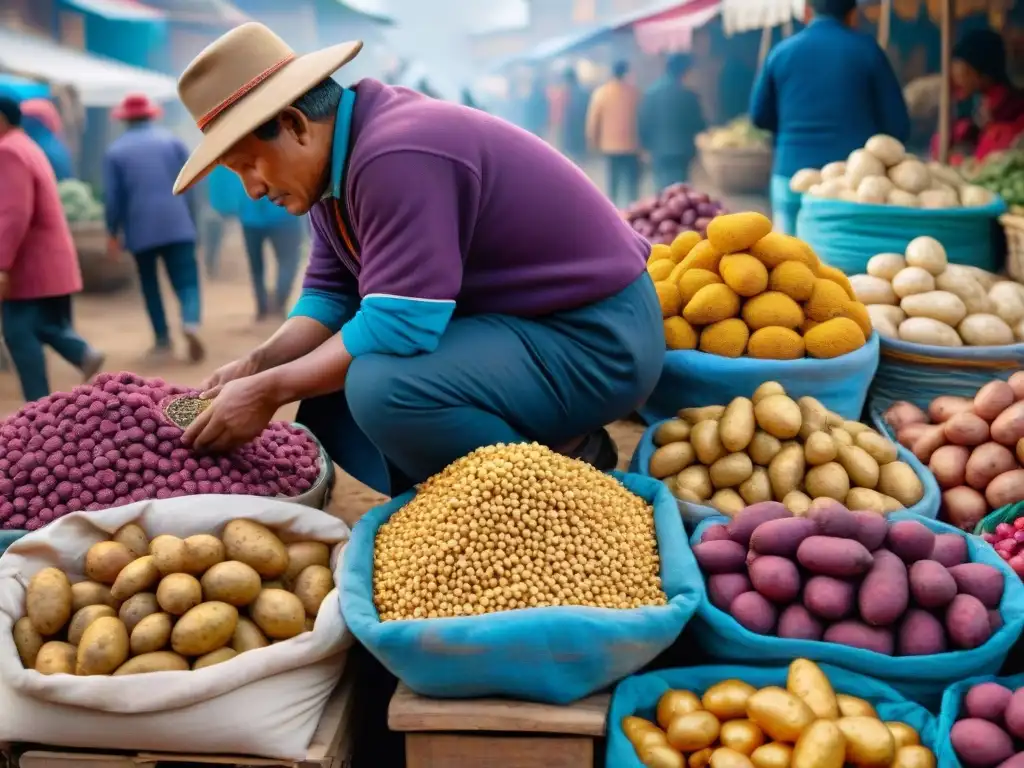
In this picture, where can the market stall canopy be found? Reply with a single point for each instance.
(117, 10)
(99, 82)
(672, 31)
(23, 89)
(740, 16)
(209, 13)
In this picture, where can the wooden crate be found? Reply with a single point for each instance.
(496, 733)
(331, 747)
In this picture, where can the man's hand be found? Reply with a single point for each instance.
(5, 285)
(113, 247)
(238, 369)
(241, 410)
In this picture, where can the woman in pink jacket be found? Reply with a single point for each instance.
(38, 262)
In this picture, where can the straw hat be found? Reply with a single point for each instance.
(136, 106)
(240, 81)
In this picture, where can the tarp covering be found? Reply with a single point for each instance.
(118, 10)
(672, 31)
(746, 15)
(99, 82)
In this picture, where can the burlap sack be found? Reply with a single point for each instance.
(265, 702)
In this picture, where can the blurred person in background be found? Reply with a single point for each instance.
(824, 92)
(42, 123)
(572, 128)
(979, 71)
(537, 107)
(612, 131)
(155, 225)
(670, 119)
(39, 269)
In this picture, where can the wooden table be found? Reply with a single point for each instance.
(497, 733)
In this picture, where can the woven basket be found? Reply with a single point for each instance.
(1013, 226)
(100, 273)
(737, 170)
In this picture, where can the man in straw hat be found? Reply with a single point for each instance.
(467, 284)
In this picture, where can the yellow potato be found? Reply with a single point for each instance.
(723, 757)
(780, 714)
(247, 636)
(860, 467)
(312, 585)
(201, 552)
(851, 706)
(706, 442)
(879, 448)
(273, 584)
(661, 757)
(231, 582)
(819, 448)
(763, 447)
(48, 601)
(820, 745)
(169, 554)
(700, 759)
(671, 431)
(828, 480)
(214, 657)
(157, 661)
(105, 559)
(741, 735)
(767, 389)
(83, 618)
(729, 471)
(104, 647)
(634, 727)
(134, 538)
(303, 554)
(178, 593)
(675, 703)
(902, 734)
(786, 471)
(279, 614)
(869, 743)
(728, 699)
(813, 415)
(865, 499)
(667, 460)
(151, 634)
(757, 487)
(705, 413)
(56, 658)
(736, 427)
(255, 545)
(140, 575)
(91, 593)
(136, 608)
(645, 737)
(806, 681)
(28, 641)
(773, 755)
(913, 757)
(694, 731)
(779, 416)
(205, 628)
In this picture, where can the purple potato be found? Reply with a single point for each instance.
(688, 218)
(701, 224)
(709, 210)
(658, 215)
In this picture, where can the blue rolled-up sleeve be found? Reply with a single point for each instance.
(397, 325)
(331, 310)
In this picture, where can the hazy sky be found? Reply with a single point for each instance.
(479, 13)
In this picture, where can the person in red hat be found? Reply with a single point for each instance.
(152, 223)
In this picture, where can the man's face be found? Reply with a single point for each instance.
(966, 80)
(289, 170)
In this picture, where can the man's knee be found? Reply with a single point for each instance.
(372, 389)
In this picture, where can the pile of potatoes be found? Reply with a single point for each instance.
(172, 604)
(804, 725)
(920, 297)
(773, 447)
(973, 446)
(746, 290)
(990, 731)
(882, 173)
(850, 578)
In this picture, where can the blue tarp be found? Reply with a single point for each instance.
(22, 89)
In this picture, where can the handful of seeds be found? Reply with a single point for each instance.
(182, 411)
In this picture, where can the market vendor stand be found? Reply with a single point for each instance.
(496, 733)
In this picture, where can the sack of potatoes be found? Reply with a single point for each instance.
(772, 447)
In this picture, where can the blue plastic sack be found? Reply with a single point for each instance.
(920, 678)
(694, 514)
(555, 655)
(639, 696)
(846, 234)
(785, 205)
(950, 713)
(9, 537)
(690, 378)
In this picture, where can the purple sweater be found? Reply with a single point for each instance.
(450, 203)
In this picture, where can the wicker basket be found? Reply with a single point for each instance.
(100, 273)
(737, 170)
(1013, 226)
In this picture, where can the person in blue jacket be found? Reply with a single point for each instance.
(824, 92)
(572, 129)
(670, 119)
(42, 123)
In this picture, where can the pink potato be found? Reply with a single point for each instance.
(754, 612)
(931, 584)
(742, 526)
(987, 701)
(993, 398)
(902, 414)
(715, 533)
(723, 588)
(833, 519)
(945, 407)
(928, 442)
(1008, 426)
(1006, 488)
(948, 463)
(872, 529)
(979, 743)
(963, 507)
(1016, 382)
(910, 433)
(859, 635)
(830, 556)
(776, 578)
(967, 622)
(995, 620)
(1017, 761)
(986, 462)
(966, 429)
(720, 556)
(829, 598)
(782, 536)
(1014, 714)
(920, 634)
(910, 540)
(797, 623)
(885, 592)
(979, 580)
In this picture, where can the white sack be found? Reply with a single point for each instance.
(264, 702)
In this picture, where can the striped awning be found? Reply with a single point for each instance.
(119, 10)
(672, 31)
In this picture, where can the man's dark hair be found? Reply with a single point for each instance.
(318, 104)
(678, 64)
(620, 69)
(985, 52)
(11, 111)
(837, 9)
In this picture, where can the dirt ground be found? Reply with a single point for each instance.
(118, 325)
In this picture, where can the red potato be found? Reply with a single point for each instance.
(920, 634)
(980, 580)
(833, 519)
(829, 556)
(1006, 488)
(754, 612)
(1008, 426)
(859, 635)
(930, 440)
(945, 407)
(985, 463)
(1014, 714)
(776, 578)
(931, 584)
(872, 529)
(966, 429)
(979, 743)
(963, 507)
(902, 414)
(967, 622)
(782, 536)
(723, 588)
(992, 399)
(995, 620)
(950, 549)
(1020, 450)
(885, 592)
(797, 623)
(829, 598)
(910, 540)
(715, 533)
(948, 464)
(1016, 382)
(1017, 761)
(910, 433)
(720, 556)
(742, 527)
(987, 701)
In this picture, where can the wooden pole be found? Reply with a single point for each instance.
(884, 24)
(947, 22)
(766, 46)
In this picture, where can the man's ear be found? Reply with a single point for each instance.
(295, 123)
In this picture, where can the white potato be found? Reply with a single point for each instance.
(939, 198)
(925, 330)
(1008, 300)
(849, 195)
(833, 171)
(927, 253)
(971, 195)
(911, 176)
(872, 290)
(911, 280)
(943, 306)
(861, 164)
(945, 173)
(903, 199)
(985, 331)
(804, 179)
(986, 278)
(882, 324)
(967, 288)
(874, 189)
(886, 265)
(887, 149)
